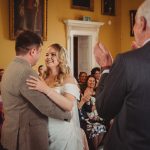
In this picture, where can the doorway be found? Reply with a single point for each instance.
(81, 38)
(81, 54)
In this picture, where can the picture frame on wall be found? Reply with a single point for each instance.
(28, 15)
(83, 4)
(108, 7)
(132, 21)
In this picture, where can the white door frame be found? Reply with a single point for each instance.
(82, 28)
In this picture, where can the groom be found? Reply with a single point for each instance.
(26, 111)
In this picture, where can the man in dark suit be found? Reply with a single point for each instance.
(124, 89)
(26, 111)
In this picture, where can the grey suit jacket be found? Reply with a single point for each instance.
(25, 111)
(124, 94)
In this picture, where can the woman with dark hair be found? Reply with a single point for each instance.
(41, 70)
(1, 103)
(89, 119)
(82, 80)
(96, 72)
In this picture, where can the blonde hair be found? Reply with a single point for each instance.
(64, 68)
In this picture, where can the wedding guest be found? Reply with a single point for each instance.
(123, 92)
(1, 74)
(89, 119)
(82, 80)
(41, 70)
(96, 72)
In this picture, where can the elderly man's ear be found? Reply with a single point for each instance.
(143, 23)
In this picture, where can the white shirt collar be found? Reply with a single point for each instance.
(146, 41)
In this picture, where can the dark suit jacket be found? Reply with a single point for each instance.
(124, 94)
(25, 111)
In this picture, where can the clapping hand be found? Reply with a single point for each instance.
(87, 95)
(102, 55)
(86, 98)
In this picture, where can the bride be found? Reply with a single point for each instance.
(62, 89)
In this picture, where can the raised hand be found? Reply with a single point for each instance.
(102, 55)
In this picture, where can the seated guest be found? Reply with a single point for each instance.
(1, 104)
(1, 114)
(96, 72)
(41, 70)
(82, 80)
(90, 122)
(1, 74)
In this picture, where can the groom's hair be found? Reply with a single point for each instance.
(25, 40)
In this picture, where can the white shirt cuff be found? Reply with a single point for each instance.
(105, 71)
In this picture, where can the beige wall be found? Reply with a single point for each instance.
(126, 39)
(115, 36)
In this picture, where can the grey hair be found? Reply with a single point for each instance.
(144, 10)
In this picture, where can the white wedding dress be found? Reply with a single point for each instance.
(66, 135)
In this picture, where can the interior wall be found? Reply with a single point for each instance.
(114, 33)
(6, 46)
(111, 31)
(126, 39)
(57, 12)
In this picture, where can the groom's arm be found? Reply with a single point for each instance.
(41, 101)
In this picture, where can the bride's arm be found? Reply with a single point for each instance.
(64, 101)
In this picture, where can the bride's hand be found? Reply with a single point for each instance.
(37, 84)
